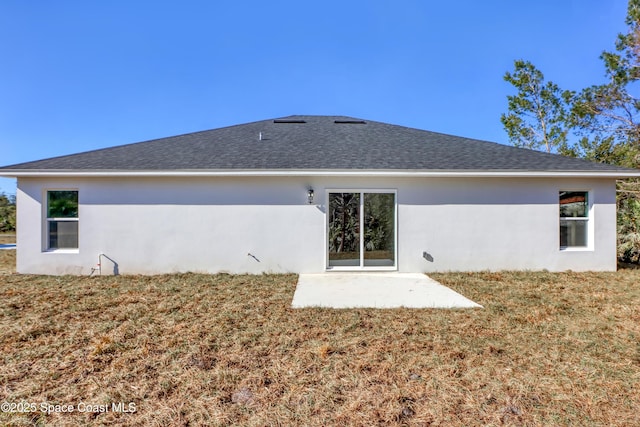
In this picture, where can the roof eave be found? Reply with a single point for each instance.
(44, 173)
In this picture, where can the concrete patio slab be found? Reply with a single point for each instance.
(375, 290)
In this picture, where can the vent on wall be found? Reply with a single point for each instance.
(289, 121)
(352, 122)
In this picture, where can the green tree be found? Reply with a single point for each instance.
(7, 213)
(537, 116)
(606, 115)
(602, 121)
(606, 118)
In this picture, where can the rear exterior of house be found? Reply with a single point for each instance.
(279, 211)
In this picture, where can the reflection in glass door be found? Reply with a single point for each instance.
(361, 229)
(344, 229)
(379, 230)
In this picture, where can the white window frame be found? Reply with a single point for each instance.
(47, 221)
(361, 267)
(588, 219)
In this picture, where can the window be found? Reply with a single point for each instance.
(574, 219)
(62, 219)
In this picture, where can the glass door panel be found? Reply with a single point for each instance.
(344, 230)
(379, 230)
(361, 230)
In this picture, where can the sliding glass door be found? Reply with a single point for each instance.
(361, 230)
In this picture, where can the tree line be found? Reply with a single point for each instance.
(7, 213)
(598, 123)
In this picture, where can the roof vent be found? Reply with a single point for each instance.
(351, 122)
(288, 121)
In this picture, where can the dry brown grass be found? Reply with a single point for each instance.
(7, 262)
(7, 238)
(548, 349)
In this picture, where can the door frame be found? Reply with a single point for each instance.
(361, 266)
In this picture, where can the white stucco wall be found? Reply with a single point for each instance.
(212, 224)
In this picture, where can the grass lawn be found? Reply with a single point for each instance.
(187, 349)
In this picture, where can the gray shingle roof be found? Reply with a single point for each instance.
(313, 143)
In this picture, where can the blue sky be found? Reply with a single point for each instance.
(81, 75)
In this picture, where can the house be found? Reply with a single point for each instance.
(311, 194)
